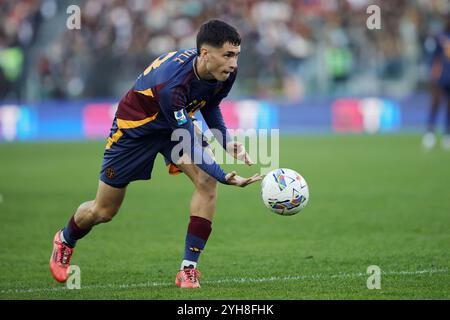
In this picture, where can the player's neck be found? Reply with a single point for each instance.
(201, 70)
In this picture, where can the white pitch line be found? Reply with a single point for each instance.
(232, 280)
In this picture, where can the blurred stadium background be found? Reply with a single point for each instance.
(315, 60)
(351, 105)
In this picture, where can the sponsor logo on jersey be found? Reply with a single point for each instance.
(180, 117)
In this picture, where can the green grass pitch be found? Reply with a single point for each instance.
(374, 200)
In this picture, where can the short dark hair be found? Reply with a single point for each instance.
(216, 33)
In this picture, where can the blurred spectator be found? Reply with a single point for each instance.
(19, 21)
(439, 88)
(290, 48)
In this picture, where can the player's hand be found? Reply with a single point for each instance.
(237, 150)
(233, 179)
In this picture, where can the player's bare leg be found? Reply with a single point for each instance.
(202, 208)
(105, 206)
(203, 202)
(429, 139)
(446, 137)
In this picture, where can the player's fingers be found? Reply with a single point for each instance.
(245, 182)
(251, 180)
(247, 160)
(255, 178)
(240, 152)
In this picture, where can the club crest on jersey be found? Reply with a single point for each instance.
(181, 118)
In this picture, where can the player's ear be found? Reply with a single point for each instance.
(204, 53)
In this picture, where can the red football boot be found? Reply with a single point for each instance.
(60, 259)
(188, 278)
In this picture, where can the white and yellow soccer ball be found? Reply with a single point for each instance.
(284, 191)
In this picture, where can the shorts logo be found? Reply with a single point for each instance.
(181, 118)
(109, 172)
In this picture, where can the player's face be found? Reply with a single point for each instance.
(220, 62)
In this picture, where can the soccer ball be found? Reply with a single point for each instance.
(284, 192)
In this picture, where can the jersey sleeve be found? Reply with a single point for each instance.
(213, 115)
(172, 102)
(214, 119)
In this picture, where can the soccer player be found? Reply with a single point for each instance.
(163, 100)
(440, 82)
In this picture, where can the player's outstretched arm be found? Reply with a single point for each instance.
(233, 179)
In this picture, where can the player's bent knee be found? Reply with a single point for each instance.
(105, 214)
(207, 189)
(104, 218)
(206, 184)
